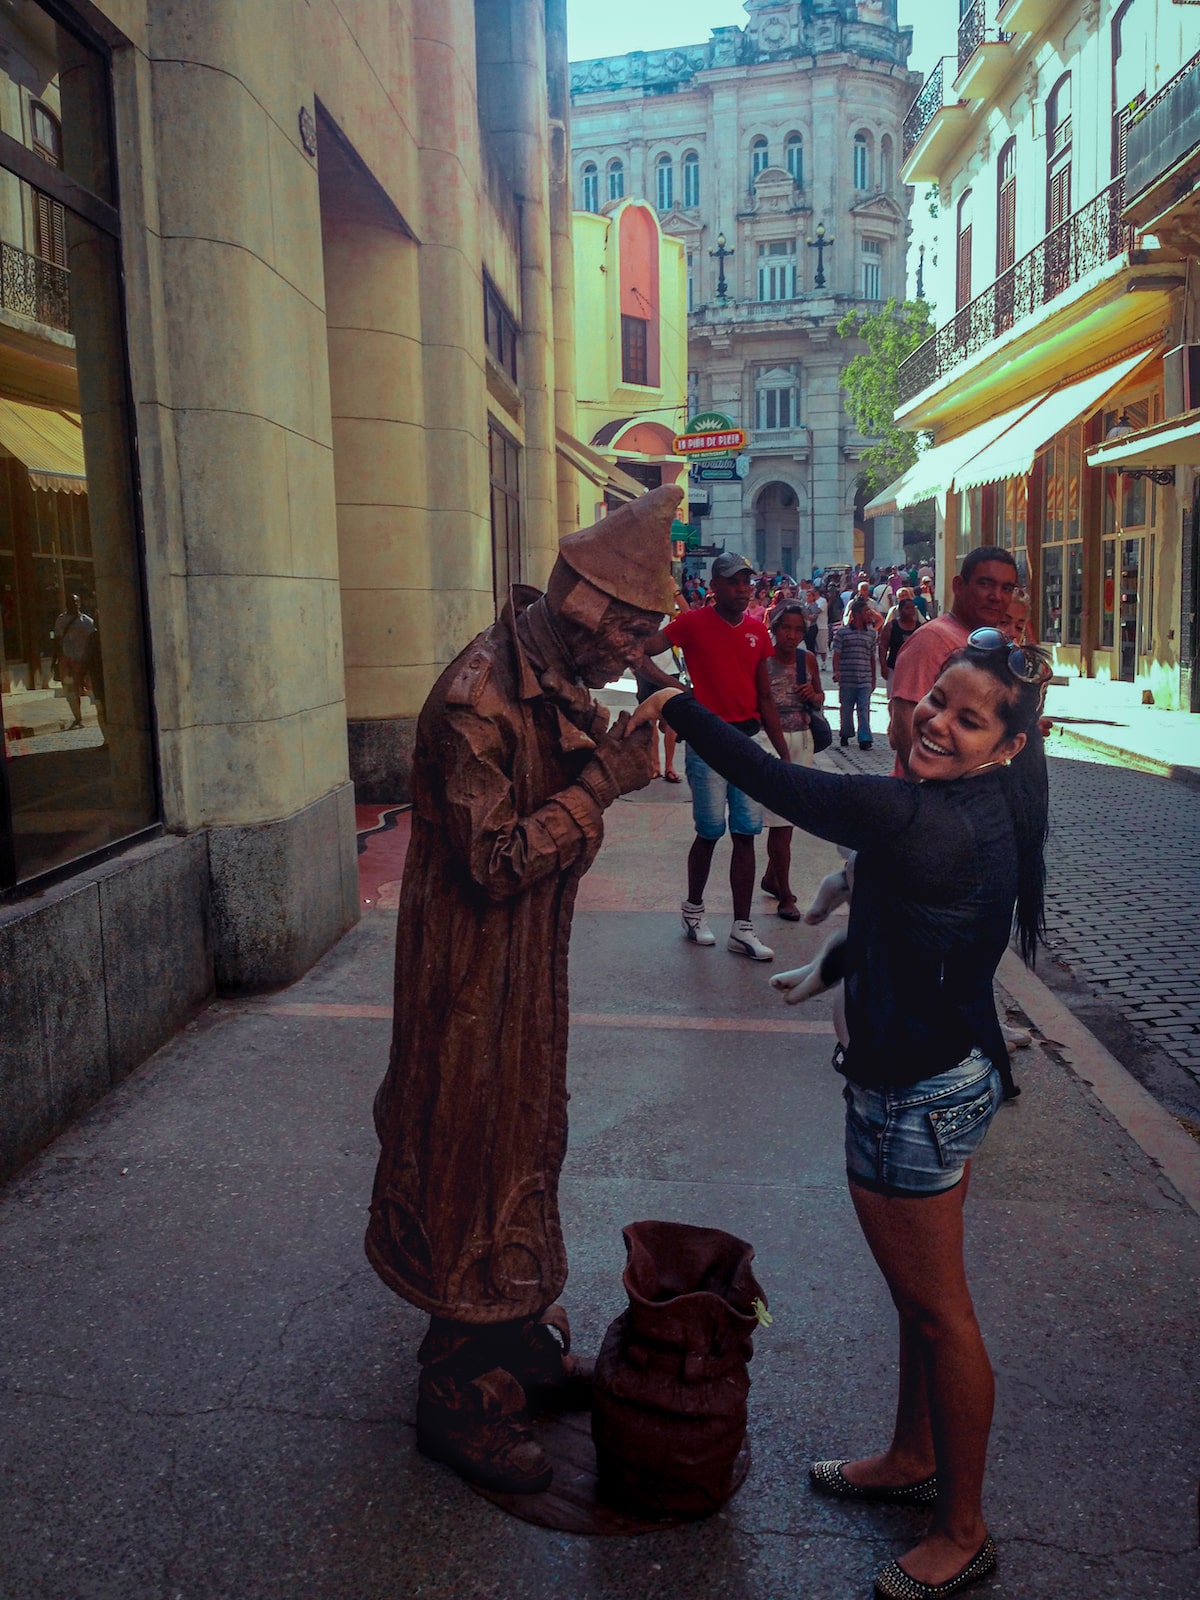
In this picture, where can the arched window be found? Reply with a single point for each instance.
(691, 180)
(49, 218)
(616, 180)
(1132, 30)
(591, 187)
(760, 157)
(862, 161)
(664, 173)
(794, 158)
(962, 256)
(885, 165)
(1058, 153)
(1006, 207)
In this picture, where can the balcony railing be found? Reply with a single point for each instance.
(35, 288)
(926, 106)
(1086, 239)
(973, 31)
(1164, 130)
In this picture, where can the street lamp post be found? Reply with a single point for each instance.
(721, 254)
(820, 244)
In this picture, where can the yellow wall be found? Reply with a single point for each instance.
(601, 397)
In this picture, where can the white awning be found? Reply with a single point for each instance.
(1174, 443)
(935, 471)
(1010, 455)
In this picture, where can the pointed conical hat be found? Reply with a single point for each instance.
(628, 554)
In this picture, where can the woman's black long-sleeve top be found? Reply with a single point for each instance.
(935, 884)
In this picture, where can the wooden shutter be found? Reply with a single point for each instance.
(50, 229)
(962, 282)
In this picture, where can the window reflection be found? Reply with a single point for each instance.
(77, 761)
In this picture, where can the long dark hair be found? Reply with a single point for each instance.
(1026, 785)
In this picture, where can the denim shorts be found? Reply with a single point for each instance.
(917, 1140)
(711, 793)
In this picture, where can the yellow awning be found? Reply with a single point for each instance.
(48, 443)
(1174, 443)
(1011, 454)
(935, 471)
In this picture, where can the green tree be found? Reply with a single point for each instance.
(869, 379)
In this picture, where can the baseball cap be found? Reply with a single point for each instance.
(730, 564)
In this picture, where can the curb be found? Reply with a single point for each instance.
(1154, 1130)
(1130, 758)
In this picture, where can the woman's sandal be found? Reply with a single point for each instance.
(672, 777)
(893, 1583)
(828, 1477)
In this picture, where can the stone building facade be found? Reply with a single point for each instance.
(767, 137)
(1062, 299)
(286, 402)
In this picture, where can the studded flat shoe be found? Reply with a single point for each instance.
(828, 1478)
(893, 1583)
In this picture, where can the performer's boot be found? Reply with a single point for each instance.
(539, 1357)
(471, 1408)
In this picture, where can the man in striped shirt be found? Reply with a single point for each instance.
(854, 650)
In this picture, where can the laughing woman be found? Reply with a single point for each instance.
(943, 865)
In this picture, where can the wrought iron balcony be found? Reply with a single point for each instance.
(926, 106)
(35, 288)
(973, 31)
(1164, 133)
(1086, 239)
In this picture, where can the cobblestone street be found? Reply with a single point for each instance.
(1123, 869)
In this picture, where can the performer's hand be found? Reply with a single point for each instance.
(623, 762)
(648, 711)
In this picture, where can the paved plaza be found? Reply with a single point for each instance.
(208, 1395)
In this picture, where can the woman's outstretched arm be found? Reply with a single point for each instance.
(853, 811)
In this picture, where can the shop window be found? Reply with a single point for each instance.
(691, 180)
(77, 771)
(504, 459)
(591, 187)
(794, 156)
(500, 334)
(616, 180)
(1051, 631)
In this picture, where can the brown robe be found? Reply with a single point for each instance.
(472, 1115)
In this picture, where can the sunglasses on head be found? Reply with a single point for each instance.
(1023, 662)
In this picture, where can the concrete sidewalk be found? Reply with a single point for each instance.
(1110, 719)
(210, 1395)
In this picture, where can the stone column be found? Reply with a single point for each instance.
(562, 258)
(260, 737)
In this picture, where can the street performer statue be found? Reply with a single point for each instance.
(513, 769)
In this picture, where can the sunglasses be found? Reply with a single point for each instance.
(1023, 662)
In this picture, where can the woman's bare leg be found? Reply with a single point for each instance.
(917, 1245)
(779, 866)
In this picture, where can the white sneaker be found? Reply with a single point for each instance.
(1016, 1038)
(744, 942)
(694, 925)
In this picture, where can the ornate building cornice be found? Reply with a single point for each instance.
(774, 32)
